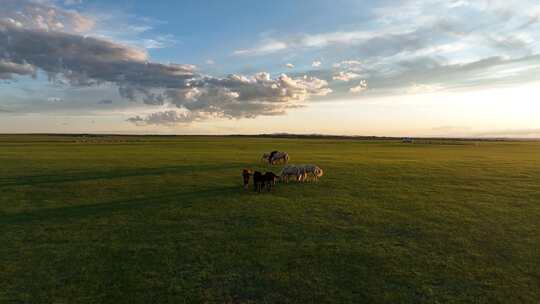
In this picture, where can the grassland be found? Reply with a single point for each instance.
(165, 219)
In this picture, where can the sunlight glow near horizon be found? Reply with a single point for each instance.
(502, 112)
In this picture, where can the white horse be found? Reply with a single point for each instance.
(312, 171)
(288, 171)
(292, 171)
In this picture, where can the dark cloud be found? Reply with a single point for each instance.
(164, 118)
(8, 69)
(80, 60)
(237, 96)
(75, 60)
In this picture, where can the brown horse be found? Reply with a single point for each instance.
(246, 173)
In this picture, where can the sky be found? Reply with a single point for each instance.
(455, 68)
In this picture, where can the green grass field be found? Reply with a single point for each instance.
(165, 220)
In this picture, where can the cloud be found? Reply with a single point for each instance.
(345, 76)
(427, 53)
(159, 42)
(8, 69)
(73, 2)
(347, 64)
(55, 99)
(366, 43)
(289, 65)
(40, 15)
(80, 60)
(71, 59)
(105, 102)
(534, 133)
(265, 47)
(170, 117)
(361, 87)
(237, 96)
(423, 88)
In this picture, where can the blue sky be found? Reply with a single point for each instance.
(410, 67)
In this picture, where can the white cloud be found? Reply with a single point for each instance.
(289, 65)
(42, 15)
(345, 76)
(266, 47)
(72, 2)
(423, 88)
(316, 63)
(361, 87)
(55, 99)
(159, 42)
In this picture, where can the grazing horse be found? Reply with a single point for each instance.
(266, 180)
(279, 157)
(312, 171)
(270, 179)
(289, 171)
(258, 181)
(246, 173)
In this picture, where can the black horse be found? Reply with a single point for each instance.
(266, 180)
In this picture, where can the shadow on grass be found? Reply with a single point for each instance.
(118, 173)
(61, 214)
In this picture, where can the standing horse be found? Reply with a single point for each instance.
(279, 157)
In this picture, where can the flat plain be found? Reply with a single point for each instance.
(151, 219)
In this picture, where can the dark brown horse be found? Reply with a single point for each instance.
(266, 180)
(246, 173)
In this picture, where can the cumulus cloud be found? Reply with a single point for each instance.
(345, 76)
(289, 65)
(8, 69)
(432, 52)
(170, 117)
(361, 87)
(238, 96)
(80, 60)
(41, 15)
(70, 58)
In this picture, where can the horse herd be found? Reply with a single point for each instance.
(302, 173)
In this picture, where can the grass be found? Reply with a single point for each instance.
(165, 219)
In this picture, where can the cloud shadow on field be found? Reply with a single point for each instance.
(34, 180)
(182, 199)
